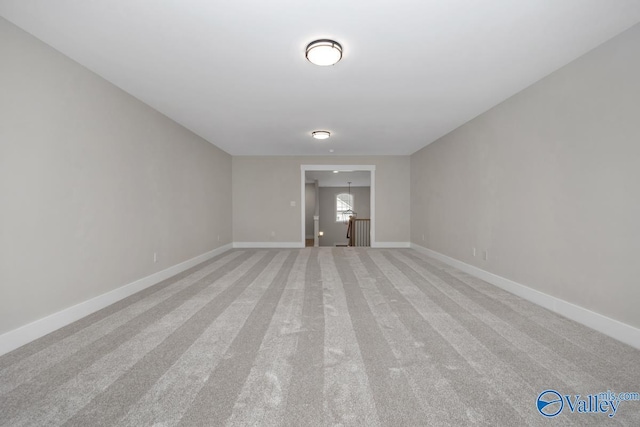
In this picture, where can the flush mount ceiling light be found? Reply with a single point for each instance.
(321, 134)
(324, 52)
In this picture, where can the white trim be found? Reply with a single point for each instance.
(268, 245)
(391, 245)
(372, 192)
(606, 325)
(18, 337)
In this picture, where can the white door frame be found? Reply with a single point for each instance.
(350, 168)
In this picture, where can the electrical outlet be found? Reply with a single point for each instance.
(474, 251)
(486, 255)
(423, 237)
(155, 257)
(218, 237)
(293, 204)
(273, 234)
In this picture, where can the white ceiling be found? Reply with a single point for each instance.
(340, 179)
(234, 72)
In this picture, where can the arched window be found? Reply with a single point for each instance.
(344, 207)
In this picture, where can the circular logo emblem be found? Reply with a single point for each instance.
(550, 403)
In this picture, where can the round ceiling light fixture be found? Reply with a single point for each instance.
(324, 52)
(320, 134)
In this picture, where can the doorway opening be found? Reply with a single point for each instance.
(338, 207)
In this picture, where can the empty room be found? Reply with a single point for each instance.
(338, 213)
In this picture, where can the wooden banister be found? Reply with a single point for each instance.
(359, 232)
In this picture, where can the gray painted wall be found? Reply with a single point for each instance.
(92, 183)
(264, 186)
(310, 209)
(549, 183)
(336, 232)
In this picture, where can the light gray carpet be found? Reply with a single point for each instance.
(305, 337)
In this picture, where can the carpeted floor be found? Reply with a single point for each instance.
(316, 336)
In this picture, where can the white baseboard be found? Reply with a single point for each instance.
(390, 244)
(606, 325)
(268, 245)
(18, 337)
